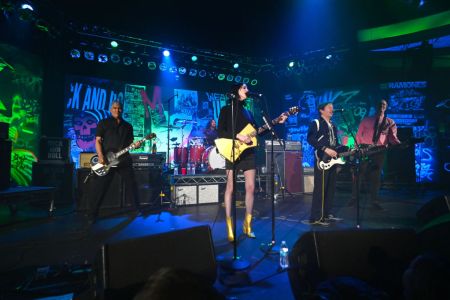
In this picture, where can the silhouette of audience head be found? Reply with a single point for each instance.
(172, 283)
(428, 277)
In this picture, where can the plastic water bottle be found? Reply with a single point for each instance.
(284, 255)
(175, 171)
(193, 169)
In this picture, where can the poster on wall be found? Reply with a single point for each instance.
(20, 94)
(178, 117)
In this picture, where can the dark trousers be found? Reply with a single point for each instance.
(323, 193)
(369, 169)
(100, 185)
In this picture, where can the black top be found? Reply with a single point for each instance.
(115, 136)
(321, 136)
(243, 116)
(210, 136)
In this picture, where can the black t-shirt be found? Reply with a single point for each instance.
(244, 117)
(115, 136)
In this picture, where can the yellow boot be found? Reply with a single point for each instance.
(247, 226)
(230, 229)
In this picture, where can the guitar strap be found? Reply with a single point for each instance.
(377, 129)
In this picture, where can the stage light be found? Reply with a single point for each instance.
(230, 77)
(151, 65)
(238, 78)
(114, 44)
(245, 80)
(89, 55)
(291, 64)
(166, 53)
(26, 12)
(254, 82)
(75, 53)
(102, 58)
(329, 56)
(221, 76)
(163, 67)
(115, 58)
(182, 70)
(127, 61)
(173, 69)
(26, 6)
(236, 65)
(193, 72)
(202, 73)
(194, 58)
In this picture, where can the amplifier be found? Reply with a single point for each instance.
(54, 149)
(288, 145)
(147, 160)
(85, 159)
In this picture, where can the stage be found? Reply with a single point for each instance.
(39, 251)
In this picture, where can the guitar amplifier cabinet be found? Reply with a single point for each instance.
(85, 159)
(288, 167)
(195, 194)
(148, 160)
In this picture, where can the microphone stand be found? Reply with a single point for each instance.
(168, 129)
(237, 263)
(273, 249)
(355, 167)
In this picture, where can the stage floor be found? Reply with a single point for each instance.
(31, 238)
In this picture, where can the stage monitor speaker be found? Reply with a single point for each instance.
(288, 167)
(124, 267)
(59, 175)
(112, 199)
(377, 257)
(433, 209)
(5, 164)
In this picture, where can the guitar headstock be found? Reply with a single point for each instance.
(293, 110)
(150, 136)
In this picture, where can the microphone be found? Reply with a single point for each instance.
(338, 109)
(231, 95)
(254, 94)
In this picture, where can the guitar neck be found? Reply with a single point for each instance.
(132, 146)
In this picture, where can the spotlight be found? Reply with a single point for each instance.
(230, 77)
(236, 65)
(194, 58)
(115, 58)
(182, 70)
(329, 56)
(291, 64)
(163, 67)
(127, 61)
(114, 44)
(238, 78)
(138, 62)
(75, 53)
(193, 72)
(89, 55)
(26, 12)
(166, 53)
(221, 76)
(173, 69)
(254, 82)
(102, 58)
(202, 73)
(151, 65)
(245, 80)
(26, 6)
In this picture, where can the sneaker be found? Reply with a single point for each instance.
(316, 222)
(333, 218)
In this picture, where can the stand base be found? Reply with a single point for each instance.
(270, 249)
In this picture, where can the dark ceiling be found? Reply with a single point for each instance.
(264, 28)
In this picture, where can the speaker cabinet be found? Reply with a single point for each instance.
(123, 267)
(149, 184)
(377, 257)
(5, 164)
(434, 208)
(59, 175)
(288, 167)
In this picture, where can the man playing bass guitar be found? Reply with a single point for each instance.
(322, 136)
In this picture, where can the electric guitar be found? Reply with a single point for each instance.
(225, 146)
(327, 162)
(112, 159)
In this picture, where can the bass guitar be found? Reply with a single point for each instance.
(225, 146)
(112, 159)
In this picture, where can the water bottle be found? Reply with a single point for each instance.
(193, 169)
(284, 255)
(175, 171)
(154, 148)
